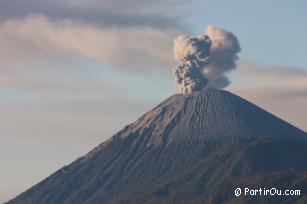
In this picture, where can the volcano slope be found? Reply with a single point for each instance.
(192, 148)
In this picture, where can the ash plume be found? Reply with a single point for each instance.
(205, 59)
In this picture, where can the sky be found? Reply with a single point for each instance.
(74, 72)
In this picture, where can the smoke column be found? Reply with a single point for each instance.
(205, 59)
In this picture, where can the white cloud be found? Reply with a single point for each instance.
(37, 37)
(34, 48)
(256, 71)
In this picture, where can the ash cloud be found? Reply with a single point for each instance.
(204, 60)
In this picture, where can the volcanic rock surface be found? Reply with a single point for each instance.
(192, 148)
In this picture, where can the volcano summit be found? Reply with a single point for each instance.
(192, 148)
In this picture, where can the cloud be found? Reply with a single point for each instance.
(278, 89)
(160, 13)
(204, 60)
(255, 71)
(55, 84)
(131, 36)
(224, 55)
(35, 37)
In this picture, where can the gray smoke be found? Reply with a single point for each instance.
(205, 59)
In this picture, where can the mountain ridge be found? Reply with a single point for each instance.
(193, 142)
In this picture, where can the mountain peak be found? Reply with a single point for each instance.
(188, 149)
(209, 113)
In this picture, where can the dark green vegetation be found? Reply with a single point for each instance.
(194, 148)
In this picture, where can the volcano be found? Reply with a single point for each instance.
(191, 148)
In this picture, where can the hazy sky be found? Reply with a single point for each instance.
(74, 72)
